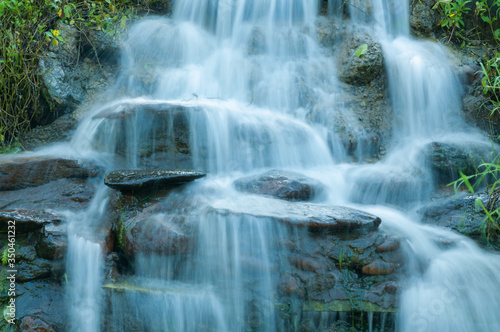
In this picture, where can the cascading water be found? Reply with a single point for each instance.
(240, 76)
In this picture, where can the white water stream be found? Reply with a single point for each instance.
(245, 73)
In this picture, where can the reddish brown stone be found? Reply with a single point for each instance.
(307, 263)
(390, 244)
(378, 268)
(34, 324)
(289, 285)
(21, 172)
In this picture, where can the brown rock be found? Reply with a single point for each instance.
(378, 268)
(20, 171)
(389, 244)
(34, 324)
(156, 233)
(289, 285)
(307, 263)
(281, 184)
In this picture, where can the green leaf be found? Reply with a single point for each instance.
(497, 34)
(362, 49)
(486, 19)
(466, 181)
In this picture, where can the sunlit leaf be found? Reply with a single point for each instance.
(362, 49)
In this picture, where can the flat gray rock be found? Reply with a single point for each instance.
(315, 217)
(141, 180)
(27, 220)
(22, 171)
(281, 184)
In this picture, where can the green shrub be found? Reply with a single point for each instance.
(28, 27)
(486, 174)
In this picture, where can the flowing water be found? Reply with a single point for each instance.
(241, 76)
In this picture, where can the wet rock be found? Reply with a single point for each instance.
(28, 270)
(360, 69)
(423, 18)
(27, 220)
(151, 232)
(391, 288)
(35, 324)
(23, 171)
(353, 251)
(45, 299)
(469, 73)
(378, 268)
(281, 184)
(307, 263)
(447, 159)
(164, 141)
(62, 194)
(314, 217)
(319, 284)
(53, 242)
(70, 71)
(399, 186)
(149, 180)
(61, 130)
(456, 212)
(390, 244)
(290, 286)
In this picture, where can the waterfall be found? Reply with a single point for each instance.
(226, 86)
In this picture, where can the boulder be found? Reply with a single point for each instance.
(21, 171)
(61, 130)
(378, 268)
(63, 194)
(35, 324)
(164, 141)
(281, 184)
(362, 68)
(314, 217)
(423, 19)
(43, 299)
(390, 244)
(26, 221)
(448, 159)
(71, 74)
(52, 243)
(456, 212)
(150, 232)
(149, 180)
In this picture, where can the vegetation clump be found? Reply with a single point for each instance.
(27, 29)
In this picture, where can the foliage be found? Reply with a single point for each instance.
(491, 82)
(5, 256)
(362, 49)
(453, 11)
(489, 11)
(27, 28)
(22, 37)
(486, 174)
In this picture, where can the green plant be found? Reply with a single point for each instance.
(487, 174)
(489, 11)
(27, 29)
(5, 256)
(453, 11)
(491, 82)
(362, 49)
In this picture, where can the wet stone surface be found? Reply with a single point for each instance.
(149, 180)
(30, 171)
(281, 184)
(314, 217)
